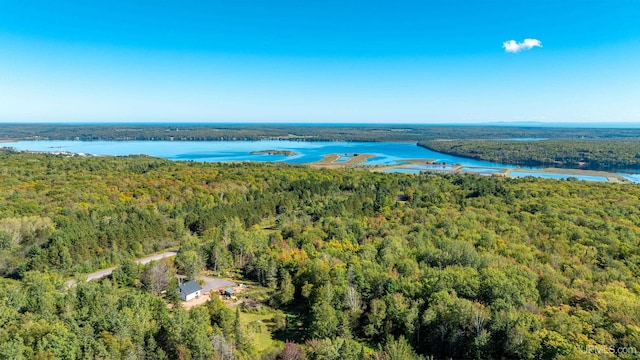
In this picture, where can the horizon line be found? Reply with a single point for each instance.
(550, 124)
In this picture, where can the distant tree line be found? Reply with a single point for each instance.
(219, 132)
(601, 154)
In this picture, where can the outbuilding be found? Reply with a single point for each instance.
(189, 290)
(228, 293)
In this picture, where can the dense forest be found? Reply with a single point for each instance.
(216, 132)
(609, 155)
(373, 265)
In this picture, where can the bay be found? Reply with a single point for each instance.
(386, 153)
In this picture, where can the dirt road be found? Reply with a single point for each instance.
(106, 272)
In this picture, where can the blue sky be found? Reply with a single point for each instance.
(319, 61)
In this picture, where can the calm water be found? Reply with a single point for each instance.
(432, 167)
(558, 176)
(403, 170)
(480, 170)
(344, 158)
(387, 153)
(631, 177)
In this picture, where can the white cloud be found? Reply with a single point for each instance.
(512, 46)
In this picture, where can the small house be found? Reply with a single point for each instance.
(189, 290)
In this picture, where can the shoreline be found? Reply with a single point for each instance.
(410, 165)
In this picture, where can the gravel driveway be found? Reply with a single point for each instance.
(212, 283)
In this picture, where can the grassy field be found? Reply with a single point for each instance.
(259, 326)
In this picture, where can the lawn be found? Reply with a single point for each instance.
(259, 326)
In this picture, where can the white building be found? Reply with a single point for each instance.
(189, 290)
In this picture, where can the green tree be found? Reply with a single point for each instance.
(375, 318)
(324, 321)
(242, 342)
(189, 263)
(198, 338)
(13, 349)
(6, 240)
(218, 256)
(63, 343)
(286, 290)
(221, 316)
(127, 274)
(398, 350)
(42, 293)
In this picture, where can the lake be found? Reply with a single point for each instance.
(481, 170)
(631, 177)
(558, 176)
(386, 153)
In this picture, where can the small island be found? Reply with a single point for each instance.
(274, 152)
